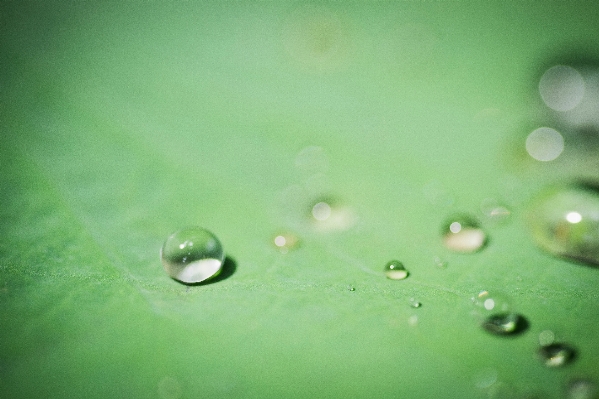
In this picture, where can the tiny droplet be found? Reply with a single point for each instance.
(285, 242)
(414, 303)
(351, 288)
(192, 255)
(395, 270)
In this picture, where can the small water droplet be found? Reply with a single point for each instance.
(331, 215)
(582, 389)
(414, 303)
(440, 263)
(351, 288)
(495, 315)
(546, 337)
(504, 324)
(463, 234)
(564, 221)
(395, 270)
(494, 211)
(192, 255)
(285, 242)
(556, 354)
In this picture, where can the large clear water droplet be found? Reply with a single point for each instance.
(556, 355)
(564, 221)
(192, 255)
(395, 270)
(463, 234)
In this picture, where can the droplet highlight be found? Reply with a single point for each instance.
(562, 88)
(192, 255)
(556, 354)
(495, 314)
(564, 221)
(414, 303)
(544, 144)
(463, 234)
(330, 215)
(285, 242)
(395, 270)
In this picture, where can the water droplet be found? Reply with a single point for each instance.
(495, 314)
(331, 215)
(546, 337)
(544, 144)
(440, 263)
(395, 270)
(413, 320)
(582, 389)
(562, 87)
(494, 211)
(504, 324)
(351, 288)
(463, 234)
(564, 221)
(556, 354)
(285, 242)
(192, 255)
(414, 303)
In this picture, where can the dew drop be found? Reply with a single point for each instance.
(351, 288)
(556, 354)
(286, 242)
(192, 255)
(495, 314)
(463, 234)
(564, 221)
(495, 211)
(395, 270)
(414, 303)
(330, 215)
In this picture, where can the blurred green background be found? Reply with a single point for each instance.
(122, 122)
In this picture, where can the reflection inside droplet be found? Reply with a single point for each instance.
(544, 144)
(562, 87)
(463, 234)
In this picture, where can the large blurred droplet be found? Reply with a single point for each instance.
(564, 221)
(463, 234)
(556, 355)
(562, 88)
(544, 144)
(582, 389)
(192, 255)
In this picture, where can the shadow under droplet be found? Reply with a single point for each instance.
(228, 269)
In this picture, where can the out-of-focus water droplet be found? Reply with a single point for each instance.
(495, 314)
(463, 234)
(331, 215)
(544, 144)
(351, 287)
(556, 354)
(192, 255)
(582, 389)
(395, 270)
(564, 221)
(495, 211)
(485, 378)
(440, 263)
(504, 324)
(414, 303)
(546, 337)
(413, 320)
(285, 242)
(562, 87)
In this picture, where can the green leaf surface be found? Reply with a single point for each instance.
(123, 122)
